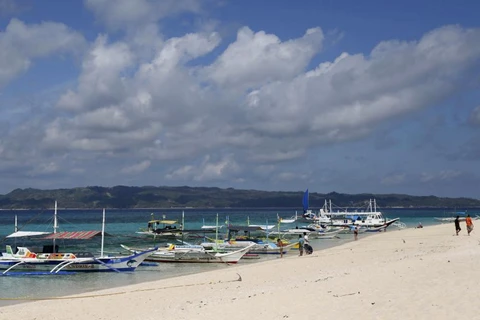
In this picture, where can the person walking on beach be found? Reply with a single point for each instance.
(301, 242)
(280, 245)
(457, 225)
(469, 222)
(355, 233)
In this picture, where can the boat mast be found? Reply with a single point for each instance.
(279, 220)
(103, 233)
(216, 232)
(55, 225)
(183, 224)
(16, 229)
(266, 227)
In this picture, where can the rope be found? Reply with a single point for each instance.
(118, 293)
(24, 225)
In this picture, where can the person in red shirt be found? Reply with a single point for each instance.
(469, 222)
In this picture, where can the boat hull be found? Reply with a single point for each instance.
(90, 264)
(194, 254)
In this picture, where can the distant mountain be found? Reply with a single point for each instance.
(202, 197)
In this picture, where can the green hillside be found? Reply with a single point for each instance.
(203, 197)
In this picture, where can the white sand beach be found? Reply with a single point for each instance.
(410, 274)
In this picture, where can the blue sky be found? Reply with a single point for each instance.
(346, 96)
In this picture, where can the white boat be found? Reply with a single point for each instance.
(264, 247)
(327, 233)
(288, 220)
(264, 227)
(212, 228)
(368, 218)
(54, 263)
(60, 263)
(193, 254)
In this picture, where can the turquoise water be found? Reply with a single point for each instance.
(121, 225)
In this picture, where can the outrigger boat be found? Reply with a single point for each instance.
(171, 229)
(162, 228)
(369, 218)
(60, 263)
(26, 262)
(192, 254)
(288, 220)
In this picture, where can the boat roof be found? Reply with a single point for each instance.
(75, 235)
(20, 234)
(163, 221)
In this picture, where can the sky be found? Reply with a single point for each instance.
(340, 96)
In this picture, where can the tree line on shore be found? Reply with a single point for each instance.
(124, 197)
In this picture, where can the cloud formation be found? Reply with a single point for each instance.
(204, 110)
(21, 43)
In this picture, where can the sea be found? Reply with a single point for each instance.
(121, 227)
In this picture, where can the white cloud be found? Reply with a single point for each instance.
(258, 58)
(136, 168)
(121, 14)
(208, 170)
(165, 109)
(442, 176)
(345, 99)
(21, 43)
(394, 179)
(101, 82)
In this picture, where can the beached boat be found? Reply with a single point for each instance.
(259, 243)
(258, 247)
(30, 262)
(192, 254)
(319, 233)
(55, 263)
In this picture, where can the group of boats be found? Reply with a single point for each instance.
(327, 220)
(236, 242)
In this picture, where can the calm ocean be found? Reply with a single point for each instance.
(121, 225)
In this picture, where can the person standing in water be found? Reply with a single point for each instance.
(469, 222)
(457, 225)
